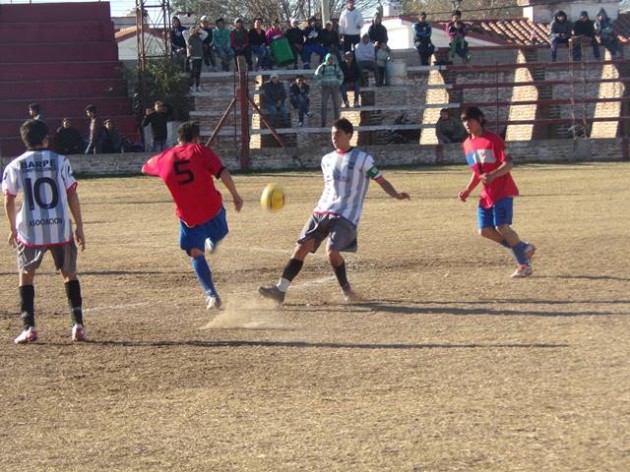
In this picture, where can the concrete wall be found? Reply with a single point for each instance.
(558, 150)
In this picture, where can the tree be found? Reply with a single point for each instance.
(268, 9)
(471, 9)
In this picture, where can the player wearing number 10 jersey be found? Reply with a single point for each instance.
(188, 170)
(43, 223)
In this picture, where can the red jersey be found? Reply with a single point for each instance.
(484, 154)
(188, 172)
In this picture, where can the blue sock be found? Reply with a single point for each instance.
(204, 275)
(504, 243)
(518, 252)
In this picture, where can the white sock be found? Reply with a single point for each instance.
(283, 284)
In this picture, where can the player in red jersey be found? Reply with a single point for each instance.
(189, 170)
(486, 156)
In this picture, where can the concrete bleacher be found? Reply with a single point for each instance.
(64, 57)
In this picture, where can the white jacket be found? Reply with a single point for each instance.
(350, 22)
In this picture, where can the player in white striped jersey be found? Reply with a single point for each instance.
(43, 223)
(347, 173)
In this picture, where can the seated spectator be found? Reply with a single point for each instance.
(295, 36)
(239, 39)
(605, 33)
(299, 93)
(258, 45)
(221, 44)
(113, 141)
(178, 43)
(382, 57)
(584, 33)
(456, 30)
(274, 96)
(365, 55)
(68, 140)
(208, 53)
(312, 43)
(377, 31)
(351, 78)
(330, 41)
(274, 32)
(422, 40)
(559, 32)
(449, 129)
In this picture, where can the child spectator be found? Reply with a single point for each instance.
(299, 93)
(351, 78)
(195, 56)
(456, 31)
(207, 36)
(422, 41)
(382, 57)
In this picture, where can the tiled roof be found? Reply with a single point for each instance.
(522, 31)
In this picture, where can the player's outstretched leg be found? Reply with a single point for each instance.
(278, 292)
(204, 275)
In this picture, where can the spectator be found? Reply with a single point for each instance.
(299, 93)
(221, 44)
(178, 43)
(449, 129)
(456, 30)
(422, 41)
(195, 56)
(351, 77)
(274, 96)
(275, 32)
(312, 43)
(68, 140)
(258, 45)
(113, 141)
(35, 112)
(377, 32)
(157, 118)
(330, 76)
(583, 33)
(365, 55)
(295, 36)
(95, 140)
(382, 57)
(330, 41)
(605, 33)
(208, 38)
(239, 38)
(350, 23)
(559, 32)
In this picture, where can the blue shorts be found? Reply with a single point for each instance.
(497, 215)
(195, 237)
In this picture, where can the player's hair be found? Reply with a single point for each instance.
(473, 113)
(91, 108)
(33, 133)
(188, 131)
(34, 106)
(344, 125)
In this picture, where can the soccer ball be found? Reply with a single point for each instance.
(272, 198)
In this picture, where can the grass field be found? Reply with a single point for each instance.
(448, 364)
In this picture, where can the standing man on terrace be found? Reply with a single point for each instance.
(350, 23)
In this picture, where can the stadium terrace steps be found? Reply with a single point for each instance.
(64, 31)
(64, 57)
(62, 71)
(76, 51)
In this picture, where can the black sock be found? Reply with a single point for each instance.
(73, 292)
(27, 305)
(292, 269)
(340, 272)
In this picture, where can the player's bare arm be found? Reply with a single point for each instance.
(503, 169)
(10, 211)
(226, 178)
(390, 190)
(75, 208)
(465, 192)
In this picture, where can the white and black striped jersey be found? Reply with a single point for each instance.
(346, 179)
(43, 177)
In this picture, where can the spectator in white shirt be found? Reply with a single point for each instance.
(365, 54)
(350, 23)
